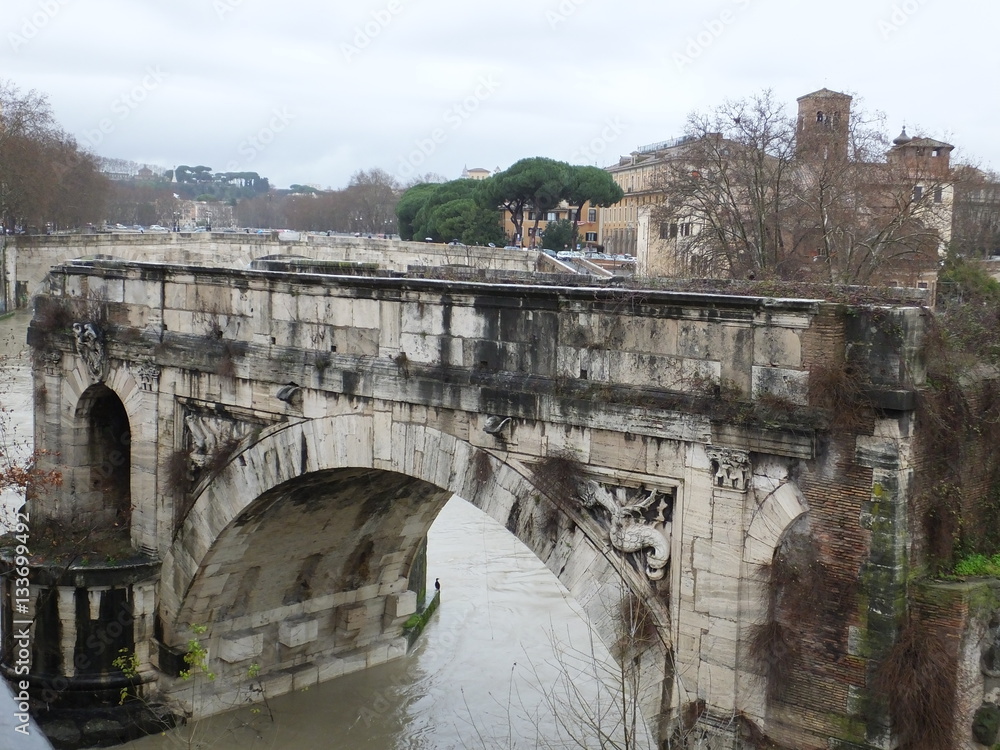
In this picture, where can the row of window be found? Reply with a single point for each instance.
(588, 237)
(669, 231)
(918, 193)
(554, 216)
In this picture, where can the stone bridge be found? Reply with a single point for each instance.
(25, 260)
(275, 446)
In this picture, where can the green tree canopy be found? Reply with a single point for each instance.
(559, 235)
(538, 182)
(591, 185)
(448, 211)
(410, 203)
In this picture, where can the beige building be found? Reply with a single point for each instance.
(636, 175)
(914, 179)
(476, 173)
(588, 225)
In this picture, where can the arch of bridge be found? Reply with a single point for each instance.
(287, 457)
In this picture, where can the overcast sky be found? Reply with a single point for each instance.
(311, 92)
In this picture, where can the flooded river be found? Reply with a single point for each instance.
(495, 667)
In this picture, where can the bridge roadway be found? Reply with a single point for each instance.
(277, 444)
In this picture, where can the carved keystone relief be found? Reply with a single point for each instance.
(90, 348)
(640, 520)
(731, 467)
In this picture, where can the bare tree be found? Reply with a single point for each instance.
(747, 194)
(372, 196)
(866, 209)
(44, 175)
(976, 224)
(727, 186)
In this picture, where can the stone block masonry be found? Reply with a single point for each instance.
(293, 436)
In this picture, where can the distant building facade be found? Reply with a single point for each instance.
(587, 227)
(914, 179)
(476, 173)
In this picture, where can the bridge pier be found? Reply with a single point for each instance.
(78, 620)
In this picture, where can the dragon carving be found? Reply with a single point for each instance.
(629, 530)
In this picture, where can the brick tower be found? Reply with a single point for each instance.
(822, 127)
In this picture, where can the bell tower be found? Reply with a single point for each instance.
(822, 126)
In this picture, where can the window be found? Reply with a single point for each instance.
(935, 152)
(590, 237)
(686, 229)
(665, 230)
(918, 193)
(920, 151)
(531, 215)
(592, 215)
(820, 117)
(938, 195)
(551, 216)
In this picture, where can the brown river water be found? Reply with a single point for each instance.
(497, 667)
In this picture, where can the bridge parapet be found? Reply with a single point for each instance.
(29, 258)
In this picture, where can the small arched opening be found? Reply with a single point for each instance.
(107, 456)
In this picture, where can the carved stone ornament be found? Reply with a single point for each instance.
(206, 436)
(631, 527)
(51, 358)
(731, 467)
(90, 348)
(494, 424)
(147, 374)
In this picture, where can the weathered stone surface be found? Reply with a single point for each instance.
(240, 647)
(303, 530)
(402, 604)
